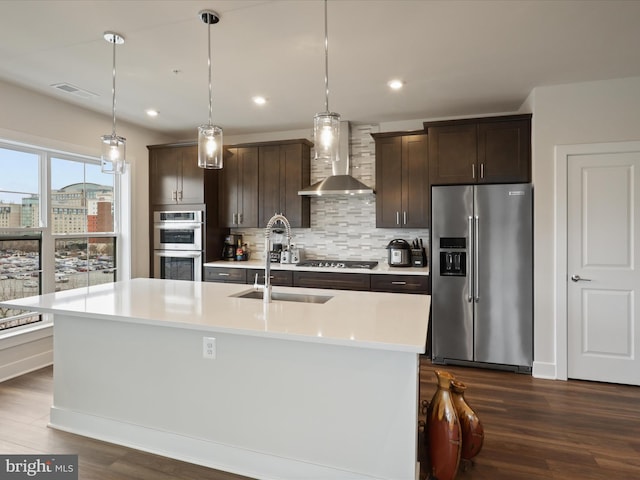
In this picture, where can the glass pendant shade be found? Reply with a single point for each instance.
(210, 147)
(112, 159)
(326, 136)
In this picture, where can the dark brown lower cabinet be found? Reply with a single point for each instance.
(400, 283)
(331, 280)
(336, 281)
(282, 278)
(225, 275)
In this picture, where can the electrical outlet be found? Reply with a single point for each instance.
(209, 348)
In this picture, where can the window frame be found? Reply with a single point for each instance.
(45, 223)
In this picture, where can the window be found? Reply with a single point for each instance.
(19, 189)
(81, 197)
(68, 224)
(84, 261)
(19, 277)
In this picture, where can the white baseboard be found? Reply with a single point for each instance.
(227, 458)
(544, 370)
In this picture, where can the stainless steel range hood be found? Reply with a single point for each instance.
(340, 182)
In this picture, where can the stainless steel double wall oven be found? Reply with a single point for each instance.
(178, 244)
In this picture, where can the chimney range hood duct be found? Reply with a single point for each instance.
(340, 182)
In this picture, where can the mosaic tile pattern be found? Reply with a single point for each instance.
(343, 227)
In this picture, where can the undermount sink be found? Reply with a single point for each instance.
(285, 297)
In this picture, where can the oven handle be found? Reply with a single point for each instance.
(177, 226)
(179, 253)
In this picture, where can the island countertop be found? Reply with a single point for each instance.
(383, 321)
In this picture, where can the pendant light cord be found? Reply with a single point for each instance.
(113, 87)
(326, 60)
(209, 64)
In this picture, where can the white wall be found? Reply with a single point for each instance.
(592, 112)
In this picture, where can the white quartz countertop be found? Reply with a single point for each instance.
(384, 321)
(381, 268)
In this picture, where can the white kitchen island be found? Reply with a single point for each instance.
(295, 391)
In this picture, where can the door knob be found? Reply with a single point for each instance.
(577, 278)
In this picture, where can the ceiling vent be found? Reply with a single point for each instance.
(73, 90)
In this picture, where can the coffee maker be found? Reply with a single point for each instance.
(231, 243)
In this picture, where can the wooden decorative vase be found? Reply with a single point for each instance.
(444, 432)
(470, 424)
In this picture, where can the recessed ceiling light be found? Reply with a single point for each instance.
(152, 113)
(258, 100)
(395, 84)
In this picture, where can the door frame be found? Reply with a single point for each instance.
(562, 153)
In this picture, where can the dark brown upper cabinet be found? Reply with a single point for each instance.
(402, 180)
(480, 150)
(239, 188)
(284, 169)
(174, 175)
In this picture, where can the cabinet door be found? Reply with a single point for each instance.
(163, 170)
(400, 283)
(388, 182)
(284, 170)
(239, 188)
(336, 281)
(269, 183)
(282, 278)
(453, 154)
(248, 187)
(415, 182)
(294, 176)
(228, 189)
(504, 152)
(225, 275)
(190, 176)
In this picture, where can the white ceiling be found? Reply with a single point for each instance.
(457, 58)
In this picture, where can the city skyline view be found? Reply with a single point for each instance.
(20, 174)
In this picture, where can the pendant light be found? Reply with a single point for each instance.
(209, 136)
(326, 125)
(112, 159)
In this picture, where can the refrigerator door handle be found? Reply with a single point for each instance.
(476, 249)
(469, 281)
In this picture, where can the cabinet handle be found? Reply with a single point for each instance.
(234, 220)
(404, 217)
(398, 283)
(473, 170)
(223, 274)
(240, 218)
(174, 195)
(482, 170)
(397, 218)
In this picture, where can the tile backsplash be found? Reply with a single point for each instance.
(343, 227)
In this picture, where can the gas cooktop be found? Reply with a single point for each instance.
(338, 264)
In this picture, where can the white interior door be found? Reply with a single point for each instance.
(603, 220)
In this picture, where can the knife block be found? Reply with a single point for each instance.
(418, 257)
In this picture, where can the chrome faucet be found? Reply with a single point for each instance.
(278, 217)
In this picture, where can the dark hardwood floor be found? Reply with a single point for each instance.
(534, 429)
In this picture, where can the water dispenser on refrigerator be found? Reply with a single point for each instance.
(453, 258)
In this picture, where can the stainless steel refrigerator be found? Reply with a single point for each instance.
(482, 275)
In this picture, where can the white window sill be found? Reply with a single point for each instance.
(26, 334)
